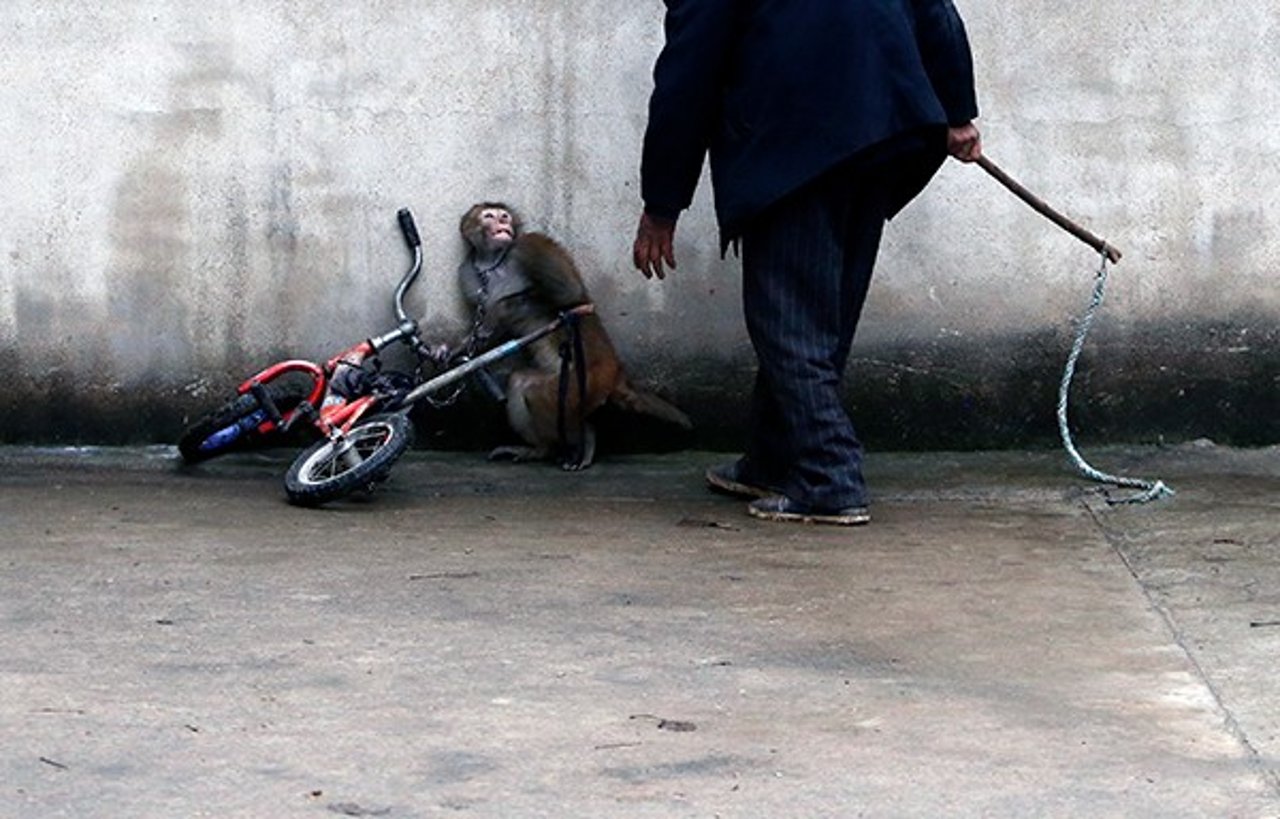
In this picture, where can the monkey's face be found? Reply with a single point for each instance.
(497, 228)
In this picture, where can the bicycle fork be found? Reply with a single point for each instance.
(344, 451)
(335, 427)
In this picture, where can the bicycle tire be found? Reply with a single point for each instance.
(195, 445)
(192, 443)
(320, 474)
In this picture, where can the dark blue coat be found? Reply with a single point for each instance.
(779, 91)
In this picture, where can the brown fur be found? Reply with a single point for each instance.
(533, 393)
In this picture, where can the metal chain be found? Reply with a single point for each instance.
(1151, 490)
(473, 337)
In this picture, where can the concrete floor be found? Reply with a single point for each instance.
(501, 640)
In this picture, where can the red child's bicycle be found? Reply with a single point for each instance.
(359, 410)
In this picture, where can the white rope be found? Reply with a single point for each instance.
(1151, 490)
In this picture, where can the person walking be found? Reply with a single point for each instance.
(822, 119)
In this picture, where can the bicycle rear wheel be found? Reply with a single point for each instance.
(219, 431)
(328, 470)
(233, 425)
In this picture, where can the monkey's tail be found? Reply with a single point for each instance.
(631, 399)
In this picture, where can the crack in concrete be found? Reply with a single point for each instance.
(1115, 541)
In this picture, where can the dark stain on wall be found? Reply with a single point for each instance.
(147, 312)
(1144, 385)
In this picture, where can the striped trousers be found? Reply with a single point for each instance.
(807, 263)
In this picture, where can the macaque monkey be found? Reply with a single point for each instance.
(519, 282)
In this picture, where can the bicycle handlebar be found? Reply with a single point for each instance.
(408, 228)
(411, 238)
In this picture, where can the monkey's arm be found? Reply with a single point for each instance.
(550, 270)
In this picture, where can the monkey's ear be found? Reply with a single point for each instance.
(468, 224)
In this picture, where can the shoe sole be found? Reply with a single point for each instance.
(738, 490)
(859, 519)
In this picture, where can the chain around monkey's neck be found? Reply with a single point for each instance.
(486, 264)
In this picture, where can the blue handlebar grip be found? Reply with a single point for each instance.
(408, 228)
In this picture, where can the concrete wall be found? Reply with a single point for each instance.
(193, 188)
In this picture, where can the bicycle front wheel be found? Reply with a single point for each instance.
(363, 457)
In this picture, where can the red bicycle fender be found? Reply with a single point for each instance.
(295, 365)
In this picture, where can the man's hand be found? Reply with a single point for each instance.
(964, 142)
(655, 239)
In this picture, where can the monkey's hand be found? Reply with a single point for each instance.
(437, 354)
(655, 240)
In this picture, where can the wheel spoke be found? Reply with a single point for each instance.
(364, 443)
(358, 460)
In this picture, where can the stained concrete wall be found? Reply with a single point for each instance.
(193, 188)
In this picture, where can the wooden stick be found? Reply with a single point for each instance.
(1041, 207)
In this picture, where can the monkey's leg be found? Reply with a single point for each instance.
(533, 410)
(521, 418)
(587, 448)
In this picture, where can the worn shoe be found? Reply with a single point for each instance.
(782, 508)
(728, 479)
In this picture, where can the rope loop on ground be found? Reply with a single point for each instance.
(1149, 490)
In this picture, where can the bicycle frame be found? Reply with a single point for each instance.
(343, 413)
(501, 351)
(325, 414)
